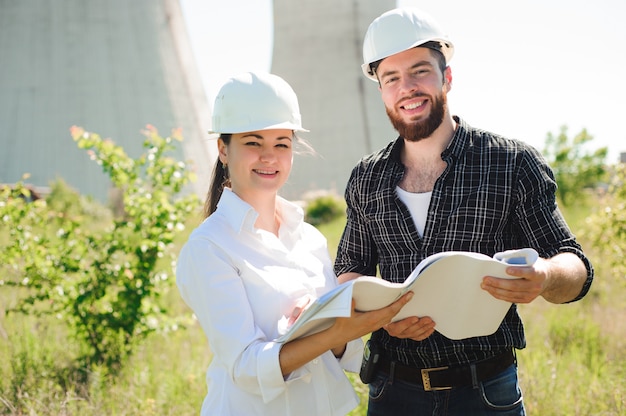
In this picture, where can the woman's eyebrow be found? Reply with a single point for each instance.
(257, 136)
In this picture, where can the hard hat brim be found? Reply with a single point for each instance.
(447, 49)
(287, 126)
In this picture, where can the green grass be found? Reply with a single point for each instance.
(575, 362)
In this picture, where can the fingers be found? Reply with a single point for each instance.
(301, 305)
(413, 327)
(294, 315)
(404, 299)
(376, 319)
(388, 313)
(361, 323)
(512, 290)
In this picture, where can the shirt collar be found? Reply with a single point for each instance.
(241, 215)
(460, 140)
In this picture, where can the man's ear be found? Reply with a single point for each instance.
(447, 79)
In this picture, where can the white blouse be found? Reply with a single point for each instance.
(241, 282)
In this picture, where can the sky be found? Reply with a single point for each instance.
(520, 69)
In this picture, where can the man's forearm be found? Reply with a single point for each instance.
(567, 276)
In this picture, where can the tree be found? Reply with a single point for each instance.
(105, 280)
(575, 167)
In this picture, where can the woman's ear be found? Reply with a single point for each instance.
(222, 151)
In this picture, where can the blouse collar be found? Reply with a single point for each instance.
(240, 215)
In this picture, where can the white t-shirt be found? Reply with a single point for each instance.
(241, 283)
(417, 203)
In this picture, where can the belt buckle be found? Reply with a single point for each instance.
(426, 379)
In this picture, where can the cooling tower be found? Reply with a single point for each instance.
(318, 49)
(109, 66)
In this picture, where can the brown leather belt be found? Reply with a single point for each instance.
(445, 378)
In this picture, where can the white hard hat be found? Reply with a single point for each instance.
(255, 101)
(398, 30)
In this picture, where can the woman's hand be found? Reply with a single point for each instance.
(363, 323)
(294, 354)
(300, 307)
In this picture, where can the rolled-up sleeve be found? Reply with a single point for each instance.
(539, 217)
(351, 358)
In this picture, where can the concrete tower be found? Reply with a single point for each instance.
(109, 66)
(318, 49)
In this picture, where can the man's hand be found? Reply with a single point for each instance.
(527, 287)
(558, 280)
(417, 329)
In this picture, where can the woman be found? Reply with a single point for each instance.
(253, 264)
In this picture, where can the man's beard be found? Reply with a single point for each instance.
(417, 130)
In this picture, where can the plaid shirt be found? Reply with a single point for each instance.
(496, 194)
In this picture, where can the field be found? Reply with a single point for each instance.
(575, 362)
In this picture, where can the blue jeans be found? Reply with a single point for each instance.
(500, 395)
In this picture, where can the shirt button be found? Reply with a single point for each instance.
(315, 361)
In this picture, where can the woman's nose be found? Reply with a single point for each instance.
(268, 154)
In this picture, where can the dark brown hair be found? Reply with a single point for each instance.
(219, 181)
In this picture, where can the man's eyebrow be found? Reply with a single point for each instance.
(387, 73)
(415, 65)
(423, 62)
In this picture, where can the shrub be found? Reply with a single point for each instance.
(104, 281)
(323, 209)
(606, 228)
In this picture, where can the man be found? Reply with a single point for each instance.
(443, 185)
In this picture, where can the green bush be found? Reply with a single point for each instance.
(606, 228)
(324, 209)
